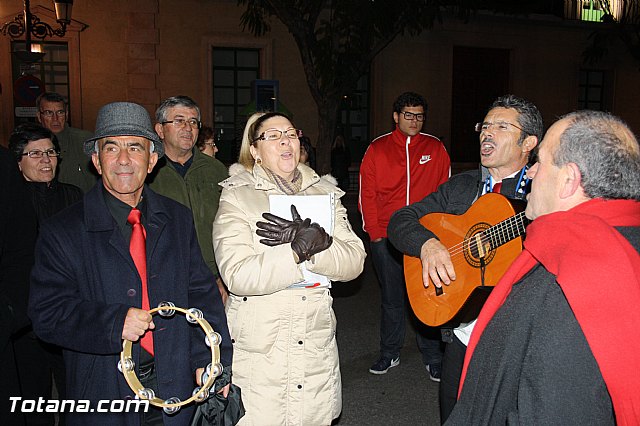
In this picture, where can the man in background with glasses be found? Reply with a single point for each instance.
(400, 168)
(74, 167)
(508, 135)
(187, 175)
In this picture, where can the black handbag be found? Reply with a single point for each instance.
(220, 411)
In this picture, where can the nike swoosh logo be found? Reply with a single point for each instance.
(424, 160)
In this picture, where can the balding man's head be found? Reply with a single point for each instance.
(606, 152)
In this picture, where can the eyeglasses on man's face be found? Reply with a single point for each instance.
(276, 135)
(48, 113)
(36, 153)
(182, 122)
(411, 116)
(501, 126)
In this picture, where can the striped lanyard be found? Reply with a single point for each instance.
(521, 186)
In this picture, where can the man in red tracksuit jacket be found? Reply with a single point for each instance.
(400, 168)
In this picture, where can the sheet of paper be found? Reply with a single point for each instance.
(319, 208)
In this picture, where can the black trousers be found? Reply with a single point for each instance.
(36, 361)
(149, 379)
(388, 265)
(452, 363)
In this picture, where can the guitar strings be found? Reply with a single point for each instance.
(508, 228)
(504, 228)
(495, 233)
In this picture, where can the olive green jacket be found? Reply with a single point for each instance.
(199, 190)
(75, 166)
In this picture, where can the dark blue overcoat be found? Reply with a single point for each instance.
(84, 281)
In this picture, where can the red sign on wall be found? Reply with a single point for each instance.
(26, 90)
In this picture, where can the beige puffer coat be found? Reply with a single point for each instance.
(285, 355)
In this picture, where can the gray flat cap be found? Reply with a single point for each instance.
(124, 119)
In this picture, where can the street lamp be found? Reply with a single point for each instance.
(30, 25)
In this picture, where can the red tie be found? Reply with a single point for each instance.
(138, 250)
(496, 187)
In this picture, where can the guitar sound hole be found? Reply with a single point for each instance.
(477, 245)
(473, 249)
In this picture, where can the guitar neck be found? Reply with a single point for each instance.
(505, 231)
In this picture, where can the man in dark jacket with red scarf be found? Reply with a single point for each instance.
(557, 341)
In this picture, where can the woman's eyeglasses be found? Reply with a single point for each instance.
(276, 135)
(36, 153)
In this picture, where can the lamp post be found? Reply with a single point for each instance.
(30, 25)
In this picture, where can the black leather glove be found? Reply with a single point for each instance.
(309, 241)
(281, 231)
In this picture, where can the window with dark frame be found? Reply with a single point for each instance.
(591, 93)
(233, 72)
(52, 70)
(354, 124)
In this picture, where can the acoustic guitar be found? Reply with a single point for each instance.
(483, 242)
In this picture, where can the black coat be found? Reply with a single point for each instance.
(84, 281)
(533, 365)
(49, 199)
(17, 238)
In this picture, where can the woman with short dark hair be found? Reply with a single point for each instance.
(36, 150)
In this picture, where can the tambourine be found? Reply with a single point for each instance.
(126, 365)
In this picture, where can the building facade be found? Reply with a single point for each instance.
(147, 50)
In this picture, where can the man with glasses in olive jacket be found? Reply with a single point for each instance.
(185, 174)
(74, 168)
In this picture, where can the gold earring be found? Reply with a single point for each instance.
(258, 161)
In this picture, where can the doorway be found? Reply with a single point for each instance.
(480, 75)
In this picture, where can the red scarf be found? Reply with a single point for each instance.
(599, 273)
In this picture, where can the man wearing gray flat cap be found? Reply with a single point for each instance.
(104, 262)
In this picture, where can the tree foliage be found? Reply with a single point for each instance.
(338, 40)
(625, 28)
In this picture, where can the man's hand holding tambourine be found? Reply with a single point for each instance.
(136, 323)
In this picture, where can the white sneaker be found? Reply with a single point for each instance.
(383, 365)
(434, 372)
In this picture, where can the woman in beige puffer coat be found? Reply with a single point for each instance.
(285, 353)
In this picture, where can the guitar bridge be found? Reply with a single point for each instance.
(477, 245)
(483, 246)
